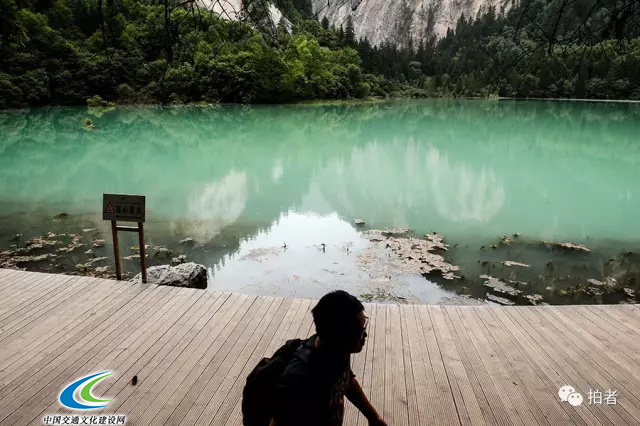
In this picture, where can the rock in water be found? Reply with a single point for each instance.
(189, 241)
(178, 260)
(359, 222)
(190, 274)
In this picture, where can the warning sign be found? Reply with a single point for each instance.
(127, 208)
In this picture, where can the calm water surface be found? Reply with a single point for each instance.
(245, 181)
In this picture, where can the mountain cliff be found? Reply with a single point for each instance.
(398, 21)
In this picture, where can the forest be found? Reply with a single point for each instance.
(70, 52)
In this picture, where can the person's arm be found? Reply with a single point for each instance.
(356, 395)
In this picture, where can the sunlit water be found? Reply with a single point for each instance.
(245, 181)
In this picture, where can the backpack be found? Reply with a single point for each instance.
(258, 396)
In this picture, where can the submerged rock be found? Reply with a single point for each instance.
(500, 300)
(566, 246)
(61, 215)
(534, 298)
(593, 281)
(178, 260)
(506, 240)
(190, 274)
(461, 300)
(134, 257)
(189, 241)
(98, 243)
(499, 286)
(414, 255)
(382, 295)
(27, 259)
(162, 252)
(510, 263)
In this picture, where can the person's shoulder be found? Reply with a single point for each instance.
(300, 371)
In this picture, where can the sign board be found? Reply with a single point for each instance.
(127, 208)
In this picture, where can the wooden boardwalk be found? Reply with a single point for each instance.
(191, 351)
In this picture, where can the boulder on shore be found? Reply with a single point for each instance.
(192, 275)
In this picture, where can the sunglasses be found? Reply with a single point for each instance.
(363, 329)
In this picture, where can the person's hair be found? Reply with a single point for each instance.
(334, 313)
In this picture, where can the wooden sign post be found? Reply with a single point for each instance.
(126, 208)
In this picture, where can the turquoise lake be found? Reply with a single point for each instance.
(243, 182)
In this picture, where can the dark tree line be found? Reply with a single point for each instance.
(536, 48)
(173, 51)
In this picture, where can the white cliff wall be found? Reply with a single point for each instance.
(398, 20)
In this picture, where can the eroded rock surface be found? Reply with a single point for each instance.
(189, 274)
(413, 255)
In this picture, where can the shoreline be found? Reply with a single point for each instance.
(329, 102)
(395, 260)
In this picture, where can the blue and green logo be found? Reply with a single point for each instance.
(83, 388)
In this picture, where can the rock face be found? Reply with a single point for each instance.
(394, 21)
(189, 274)
(399, 20)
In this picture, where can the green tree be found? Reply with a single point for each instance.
(349, 34)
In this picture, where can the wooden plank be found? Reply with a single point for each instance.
(185, 379)
(565, 364)
(367, 377)
(395, 404)
(8, 278)
(159, 354)
(22, 319)
(467, 404)
(623, 336)
(47, 390)
(215, 373)
(606, 337)
(620, 322)
(377, 392)
(495, 409)
(440, 386)
(25, 285)
(4, 273)
(300, 328)
(351, 414)
(59, 324)
(412, 401)
(234, 365)
(547, 371)
(593, 366)
(531, 386)
(227, 398)
(41, 288)
(520, 406)
(32, 362)
(30, 383)
(419, 374)
(21, 282)
(584, 345)
(212, 361)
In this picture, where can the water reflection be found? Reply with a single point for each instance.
(471, 170)
(219, 204)
(462, 194)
